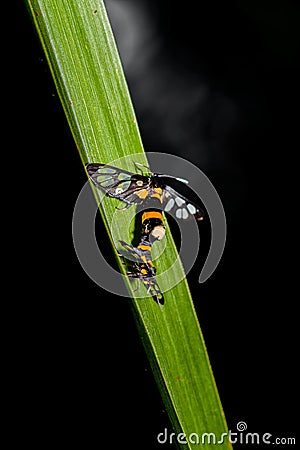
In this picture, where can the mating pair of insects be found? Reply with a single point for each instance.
(153, 192)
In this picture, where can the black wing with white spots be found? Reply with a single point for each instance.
(126, 186)
(179, 206)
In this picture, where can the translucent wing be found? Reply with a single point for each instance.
(150, 284)
(129, 252)
(179, 206)
(142, 271)
(153, 289)
(117, 183)
(108, 177)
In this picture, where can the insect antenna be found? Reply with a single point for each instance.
(136, 165)
(182, 180)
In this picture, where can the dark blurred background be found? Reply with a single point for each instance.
(215, 83)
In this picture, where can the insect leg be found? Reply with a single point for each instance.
(124, 207)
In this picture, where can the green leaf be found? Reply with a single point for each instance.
(83, 58)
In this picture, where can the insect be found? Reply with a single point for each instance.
(153, 228)
(137, 189)
(139, 258)
(140, 265)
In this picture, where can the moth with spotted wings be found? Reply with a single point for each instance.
(140, 266)
(139, 259)
(137, 189)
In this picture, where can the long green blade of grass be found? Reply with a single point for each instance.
(82, 55)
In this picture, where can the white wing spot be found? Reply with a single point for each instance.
(106, 170)
(191, 208)
(118, 191)
(185, 214)
(179, 201)
(179, 213)
(169, 205)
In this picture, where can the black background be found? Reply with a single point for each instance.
(216, 84)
